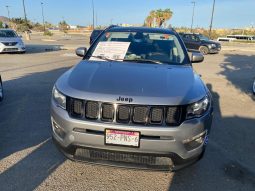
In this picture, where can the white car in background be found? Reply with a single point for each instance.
(10, 42)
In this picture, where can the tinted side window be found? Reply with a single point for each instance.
(95, 34)
(194, 37)
(186, 36)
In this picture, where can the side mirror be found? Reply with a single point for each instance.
(197, 57)
(81, 51)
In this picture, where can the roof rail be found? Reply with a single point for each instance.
(112, 26)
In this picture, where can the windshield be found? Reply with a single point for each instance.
(7, 34)
(138, 47)
(202, 37)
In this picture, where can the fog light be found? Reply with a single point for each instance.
(195, 142)
(58, 130)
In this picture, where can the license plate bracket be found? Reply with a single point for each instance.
(122, 138)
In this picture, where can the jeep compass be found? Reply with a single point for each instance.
(134, 100)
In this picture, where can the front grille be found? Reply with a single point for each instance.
(10, 49)
(140, 114)
(125, 159)
(9, 43)
(173, 115)
(107, 112)
(123, 114)
(114, 156)
(77, 107)
(126, 114)
(157, 115)
(92, 110)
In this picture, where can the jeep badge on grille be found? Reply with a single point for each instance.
(125, 99)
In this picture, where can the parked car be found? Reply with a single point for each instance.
(133, 101)
(94, 35)
(10, 42)
(225, 39)
(1, 90)
(199, 42)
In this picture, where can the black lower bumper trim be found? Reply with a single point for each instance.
(169, 162)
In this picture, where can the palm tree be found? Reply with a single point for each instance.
(159, 17)
(162, 16)
(149, 21)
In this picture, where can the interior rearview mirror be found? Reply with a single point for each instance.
(81, 51)
(197, 57)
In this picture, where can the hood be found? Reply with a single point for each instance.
(210, 42)
(13, 39)
(149, 84)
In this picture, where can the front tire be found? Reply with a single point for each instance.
(204, 50)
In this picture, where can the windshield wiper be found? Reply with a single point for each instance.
(144, 60)
(129, 60)
(103, 58)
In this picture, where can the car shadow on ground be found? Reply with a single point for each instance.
(27, 153)
(32, 170)
(239, 71)
(228, 163)
(40, 48)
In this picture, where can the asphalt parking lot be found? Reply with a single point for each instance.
(29, 160)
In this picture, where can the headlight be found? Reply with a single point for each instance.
(213, 45)
(198, 109)
(21, 43)
(59, 98)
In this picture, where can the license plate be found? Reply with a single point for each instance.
(122, 138)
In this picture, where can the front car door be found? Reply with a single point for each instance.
(195, 42)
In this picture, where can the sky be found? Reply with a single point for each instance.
(228, 13)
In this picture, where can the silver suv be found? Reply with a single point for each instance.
(133, 101)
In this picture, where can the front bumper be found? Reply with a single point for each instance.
(215, 50)
(157, 145)
(11, 49)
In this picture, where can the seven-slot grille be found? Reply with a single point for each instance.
(128, 114)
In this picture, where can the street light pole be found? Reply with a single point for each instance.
(7, 7)
(93, 9)
(44, 28)
(194, 4)
(210, 31)
(24, 9)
